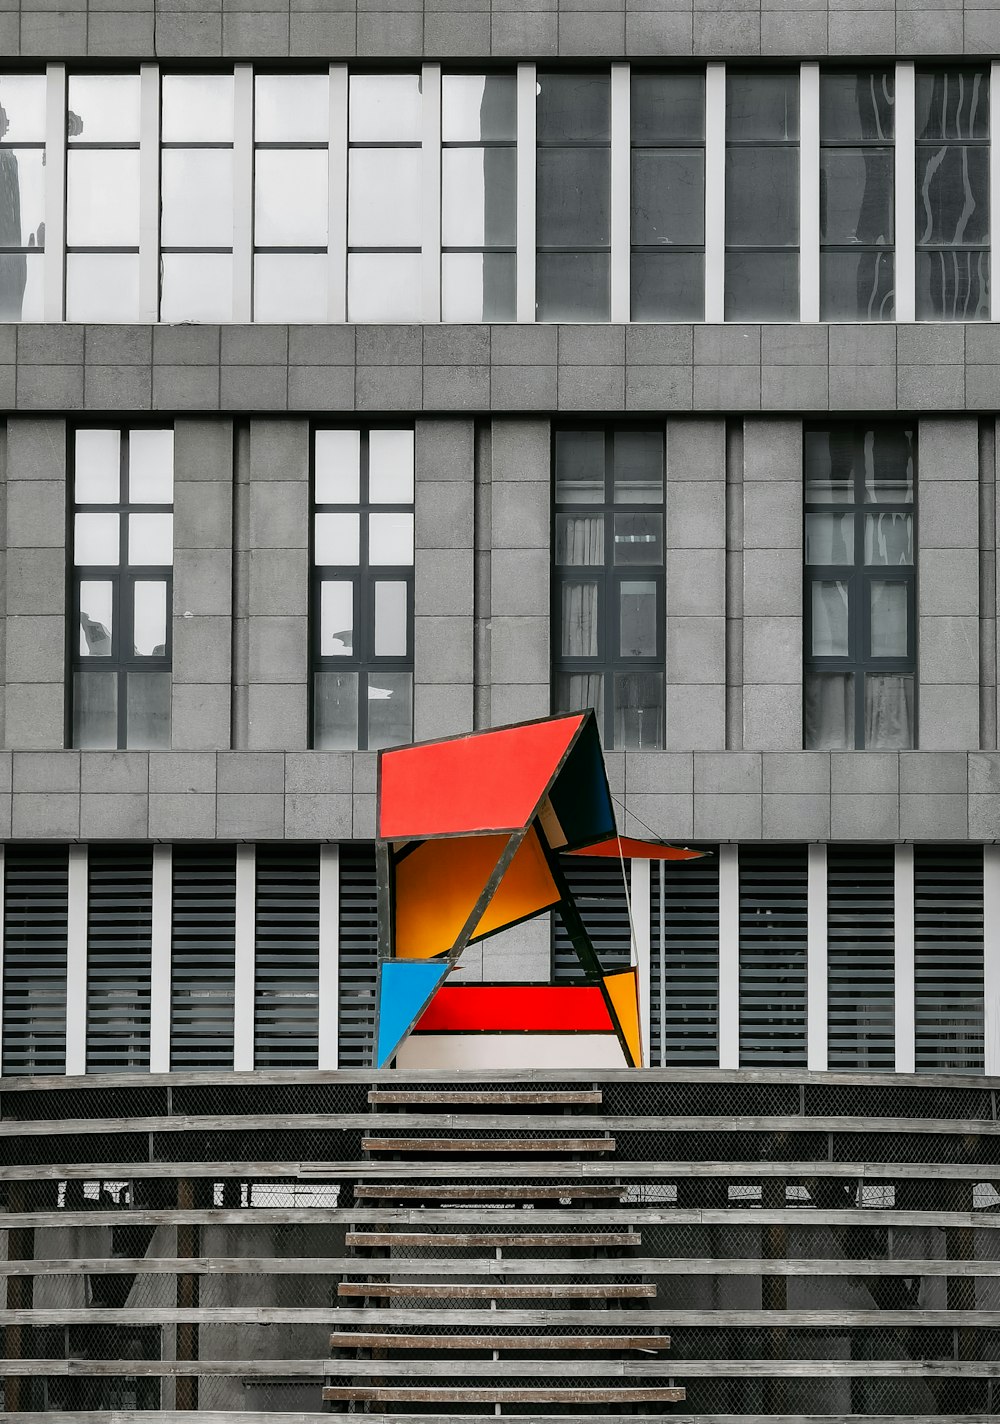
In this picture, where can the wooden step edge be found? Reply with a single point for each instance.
(469, 1192)
(349, 1340)
(403, 1097)
(446, 1291)
(487, 1144)
(501, 1395)
(500, 1238)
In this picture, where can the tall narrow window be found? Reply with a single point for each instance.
(948, 958)
(478, 196)
(856, 195)
(608, 587)
(35, 928)
(122, 584)
(286, 976)
(119, 958)
(953, 194)
(762, 197)
(362, 589)
(573, 272)
(668, 197)
(861, 956)
(384, 205)
(860, 609)
(773, 956)
(22, 181)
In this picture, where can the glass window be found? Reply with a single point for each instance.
(860, 634)
(22, 195)
(573, 197)
(362, 605)
(384, 197)
(762, 197)
(668, 197)
(122, 587)
(608, 581)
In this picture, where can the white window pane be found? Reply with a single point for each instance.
(390, 466)
(468, 175)
(150, 539)
(197, 197)
(478, 286)
(102, 198)
(337, 539)
(97, 467)
(290, 108)
(150, 466)
(384, 108)
(390, 620)
(22, 184)
(149, 624)
(103, 108)
(95, 539)
(22, 99)
(889, 618)
(385, 192)
(196, 286)
(197, 108)
(22, 284)
(336, 619)
(290, 198)
(390, 539)
(290, 288)
(95, 706)
(147, 708)
(335, 709)
(383, 286)
(102, 286)
(478, 106)
(390, 708)
(338, 463)
(96, 618)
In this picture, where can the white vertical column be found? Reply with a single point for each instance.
(991, 957)
(906, 191)
(640, 896)
(329, 956)
(76, 962)
(809, 192)
(994, 189)
(526, 125)
(159, 986)
(337, 174)
(905, 962)
(621, 193)
(715, 192)
(729, 956)
(55, 193)
(149, 192)
(243, 993)
(430, 264)
(243, 192)
(816, 954)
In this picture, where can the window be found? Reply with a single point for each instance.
(384, 209)
(608, 586)
(122, 587)
(856, 195)
(22, 182)
(668, 197)
(953, 194)
(762, 197)
(478, 197)
(362, 615)
(573, 215)
(860, 626)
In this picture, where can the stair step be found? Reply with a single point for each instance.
(346, 1340)
(404, 1097)
(473, 1145)
(394, 1290)
(498, 1238)
(500, 1395)
(466, 1192)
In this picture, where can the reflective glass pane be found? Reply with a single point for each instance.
(857, 286)
(385, 197)
(338, 464)
(290, 197)
(95, 706)
(291, 108)
(888, 465)
(667, 108)
(337, 539)
(638, 466)
(637, 618)
(96, 618)
(953, 195)
(638, 710)
(580, 539)
(762, 106)
(335, 709)
(197, 197)
(336, 619)
(477, 106)
(21, 286)
(149, 621)
(478, 286)
(575, 107)
(762, 196)
(383, 286)
(576, 691)
(197, 108)
(953, 103)
(762, 286)
(478, 197)
(150, 539)
(889, 539)
(638, 539)
(829, 711)
(97, 467)
(953, 286)
(668, 196)
(830, 619)
(573, 286)
(668, 286)
(579, 461)
(829, 465)
(102, 286)
(889, 618)
(390, 703)
(22, 108)
(390, 466)
(103, 108)
(22, 197)
(830, 539)
(150, 466)
(102, 198)
(147, 709)
(95, 539)
(856, 195)
(390, 619)
(890, 711)
(856, 104)
(574, 197)
(290, 287)
(579, 626)
(390, 539)
(385, 108)
(196, 286)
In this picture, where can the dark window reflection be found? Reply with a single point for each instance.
(573, 273)
(668, 197)
(762, 197)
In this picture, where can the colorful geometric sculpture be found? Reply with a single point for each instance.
(405, 989)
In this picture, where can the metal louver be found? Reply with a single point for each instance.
(948, 953)
(286, 982)
(34, 963)
(773, 955)
(861, 956)
(684, 962)
(119, 947)
(358, 954)
(600, 895)
(203, 956)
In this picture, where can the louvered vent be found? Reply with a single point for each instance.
(119, 931)
(861, 956)
(286, 988)
(34, 962)
(773, 950)
(600, 897)
(949, 958)
(684, 962)
(358, 954)
(203, 956)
